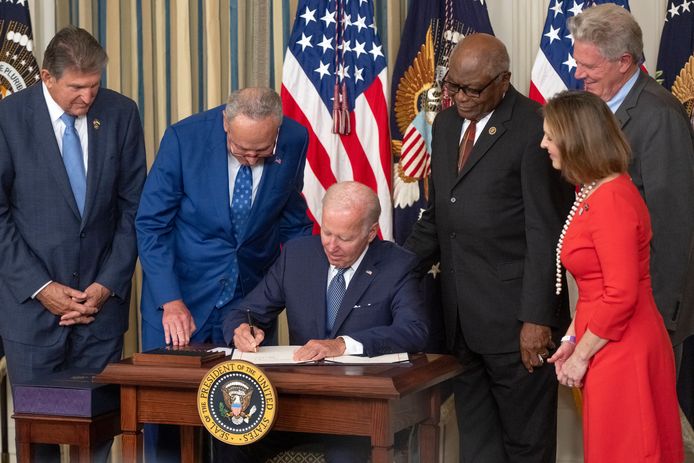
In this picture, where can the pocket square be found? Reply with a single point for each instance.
(359, 306)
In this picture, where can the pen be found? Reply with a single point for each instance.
(250, 324)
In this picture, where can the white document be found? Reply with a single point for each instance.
(359, 360)
(284, 355)
(269, 355)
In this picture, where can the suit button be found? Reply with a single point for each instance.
(83, 234)
(452, 235)
(75, 274)
(453, 200)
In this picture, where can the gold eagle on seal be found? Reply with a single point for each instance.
(683, 88)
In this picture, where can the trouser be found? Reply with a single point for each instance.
(505, 414)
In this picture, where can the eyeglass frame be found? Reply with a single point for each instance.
(263, 155)
(466, 89)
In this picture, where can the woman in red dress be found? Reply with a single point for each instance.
(616, 349)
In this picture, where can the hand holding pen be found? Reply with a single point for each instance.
(247, 336)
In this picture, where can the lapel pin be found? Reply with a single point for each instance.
(369, 272)
(96, 123)
(278, 160)
(492, 130)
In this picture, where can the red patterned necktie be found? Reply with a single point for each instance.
(466, 145)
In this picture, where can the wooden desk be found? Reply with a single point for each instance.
(81, 433)
(374, 401)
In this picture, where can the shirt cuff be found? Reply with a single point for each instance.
(352, 347)
(33, 296)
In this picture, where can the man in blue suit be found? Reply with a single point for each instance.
(223, 194)
(345, 292)
(197, 257)
(72, 166)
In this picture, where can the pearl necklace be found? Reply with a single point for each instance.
(580, 197)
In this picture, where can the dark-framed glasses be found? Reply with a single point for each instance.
(454, 88)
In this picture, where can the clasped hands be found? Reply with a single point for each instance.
(71, 305)
(315, 349)
(569, 367)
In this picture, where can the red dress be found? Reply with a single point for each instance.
(630, 411)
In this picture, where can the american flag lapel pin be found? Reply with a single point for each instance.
(369, 272)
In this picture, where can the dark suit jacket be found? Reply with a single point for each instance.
(662, 168)
(382, 308)
(184, 228)
(496, 226)
(42, 236)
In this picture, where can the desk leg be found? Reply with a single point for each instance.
(80, 454)
(23, 441)
(381, 432)
(132, 431)
(189, 451)
(429, 429)
(24, 450)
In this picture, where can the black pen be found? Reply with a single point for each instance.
(250, 324)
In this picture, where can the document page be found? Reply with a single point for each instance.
(359, 360)
(284, 355)
(269, 355)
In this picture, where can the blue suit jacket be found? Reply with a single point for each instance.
(42, 236)
(382, 308)
(184, 229)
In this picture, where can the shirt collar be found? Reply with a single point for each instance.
(618, 99)
(54, 110)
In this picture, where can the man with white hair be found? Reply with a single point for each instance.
(608, 49)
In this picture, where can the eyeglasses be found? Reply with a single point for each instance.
(454, 88)
(253, 154)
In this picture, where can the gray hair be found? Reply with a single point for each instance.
(354, 196)
(74, 48)
(255, 103)
(611, 28)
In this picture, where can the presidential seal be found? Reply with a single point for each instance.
(237, 403)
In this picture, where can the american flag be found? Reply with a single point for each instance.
(554, 66)
(335, 77)
(676, 42)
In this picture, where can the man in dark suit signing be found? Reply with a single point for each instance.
(494, 215)
(72, 166)
(345, 292)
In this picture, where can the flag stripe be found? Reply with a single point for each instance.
(308, 79)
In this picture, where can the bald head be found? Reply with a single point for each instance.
(478, 76)
(349, 222)
(481, 52)
(356, 197)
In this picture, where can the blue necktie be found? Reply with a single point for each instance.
(74, 163)
(241, 200)
(240, 209)
(336, 292)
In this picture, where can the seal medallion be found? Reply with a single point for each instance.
(236, 402)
